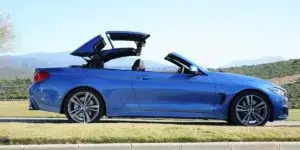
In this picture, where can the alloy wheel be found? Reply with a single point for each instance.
(83, 107)
(251, 110)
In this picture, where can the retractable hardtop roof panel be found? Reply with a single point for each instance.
(90, 48)
(138, 37)
(94, 47)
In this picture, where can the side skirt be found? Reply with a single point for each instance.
(164, 114)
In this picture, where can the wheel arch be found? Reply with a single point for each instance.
(81, 87)
(252, 90)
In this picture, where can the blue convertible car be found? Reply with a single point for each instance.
(88, 92)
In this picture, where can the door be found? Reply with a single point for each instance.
(174, 92)
(115, 86)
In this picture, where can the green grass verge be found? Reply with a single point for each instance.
(22, 133)
(20, 109)
(26, 133)
(294, 115)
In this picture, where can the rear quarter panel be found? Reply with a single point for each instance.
(114, 87)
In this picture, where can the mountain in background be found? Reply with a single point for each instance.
(13, 66)
(257, 61)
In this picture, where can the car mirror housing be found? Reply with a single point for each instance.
(194, 70)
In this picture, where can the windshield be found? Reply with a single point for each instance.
(187, 61)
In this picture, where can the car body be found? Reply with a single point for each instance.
(192, 92)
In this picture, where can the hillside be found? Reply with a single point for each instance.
(257, 61)
(293, 93)
(286, 80)
(8, 72)
(269, 70)
(284, 73)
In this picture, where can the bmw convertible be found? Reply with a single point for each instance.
(85, 93)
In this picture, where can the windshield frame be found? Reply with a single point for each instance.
(185, 61)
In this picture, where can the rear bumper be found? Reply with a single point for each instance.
(33, 105)
(42, 98)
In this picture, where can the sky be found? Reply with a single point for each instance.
(209, 32)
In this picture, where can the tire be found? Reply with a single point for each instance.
(229, 121)
(84, 105)
(250, 109)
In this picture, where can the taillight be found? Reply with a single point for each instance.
(41, 76)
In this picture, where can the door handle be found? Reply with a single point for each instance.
(143, 77)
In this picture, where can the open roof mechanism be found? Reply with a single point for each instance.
(94, 48)
(138, 38)
(91, 47)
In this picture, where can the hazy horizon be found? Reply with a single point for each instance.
(210, 33)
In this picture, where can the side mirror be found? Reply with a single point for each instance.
(194, 70)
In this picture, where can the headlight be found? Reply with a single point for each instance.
(278, 91)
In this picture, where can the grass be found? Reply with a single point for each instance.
(294, 115)
(21, 133)
(46, 133)
(20, 109)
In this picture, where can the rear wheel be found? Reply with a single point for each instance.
(250, 109)
(84, 106)
(229, 121)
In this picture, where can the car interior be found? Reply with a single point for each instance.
(97, 61)
(138, 65)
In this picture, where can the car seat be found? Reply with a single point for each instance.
(138, 65)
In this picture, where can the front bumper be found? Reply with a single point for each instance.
(283, 114)
(280, 107)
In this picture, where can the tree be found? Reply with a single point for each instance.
(6, 35)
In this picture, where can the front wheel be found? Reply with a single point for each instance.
(250, 109)
(83, 106)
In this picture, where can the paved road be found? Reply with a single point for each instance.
(146, 120)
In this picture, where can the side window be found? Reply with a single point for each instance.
(165, 66)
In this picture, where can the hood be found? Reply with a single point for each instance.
(239, 79)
